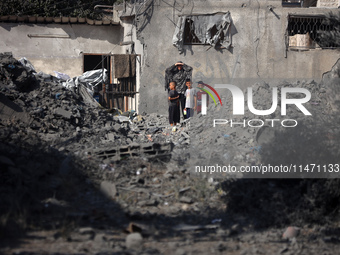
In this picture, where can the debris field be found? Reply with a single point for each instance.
(77, 178)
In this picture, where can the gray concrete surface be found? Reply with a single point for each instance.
(63, 50)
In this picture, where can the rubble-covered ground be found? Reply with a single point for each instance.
(80, 179)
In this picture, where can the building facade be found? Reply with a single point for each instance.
(224, 41)
(262, 41)
(73, 46)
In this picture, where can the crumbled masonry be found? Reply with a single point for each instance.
(76, 178)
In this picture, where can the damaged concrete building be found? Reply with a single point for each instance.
(72, 46)
(238, 42)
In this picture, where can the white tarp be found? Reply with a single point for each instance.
(89, 79)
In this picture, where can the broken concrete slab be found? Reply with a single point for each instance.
(108, 189)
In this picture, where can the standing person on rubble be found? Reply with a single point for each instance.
(174, 114)
(191, 100)
(179, 72)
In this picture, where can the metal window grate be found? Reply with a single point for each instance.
(308, 32)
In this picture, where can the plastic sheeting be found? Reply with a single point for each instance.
(89, 79)
(211, 29)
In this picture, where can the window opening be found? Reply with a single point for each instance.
(94, 62)
(207, 34)
(309, 32)
(203, 29)
(189, 33)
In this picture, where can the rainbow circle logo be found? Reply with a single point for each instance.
(204, 98)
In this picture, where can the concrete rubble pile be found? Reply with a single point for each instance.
(66, 118)
(60, 154)
(70, 121)
(47, 131)
(37, 111)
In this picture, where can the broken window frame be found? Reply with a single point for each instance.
(307, 27)
(204, 29)
(190, 38)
